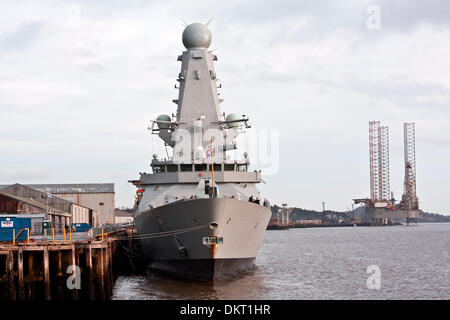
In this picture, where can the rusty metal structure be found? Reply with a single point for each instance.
(29, 267)
(62, 269)
(409, 198)
(283, 216)
(379, 161)
(381, 208)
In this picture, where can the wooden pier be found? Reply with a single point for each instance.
(83, 270)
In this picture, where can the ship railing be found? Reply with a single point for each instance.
(264, 202)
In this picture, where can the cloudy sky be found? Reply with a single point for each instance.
(81, 80)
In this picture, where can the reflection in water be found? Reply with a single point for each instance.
(323, 263)
(156, 285)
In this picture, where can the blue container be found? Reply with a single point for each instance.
(19, 225)
(80, 227)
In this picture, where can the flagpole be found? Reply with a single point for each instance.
(212, 166)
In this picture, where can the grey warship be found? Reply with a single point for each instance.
(199, 213)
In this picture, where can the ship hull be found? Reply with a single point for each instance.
(239, 224)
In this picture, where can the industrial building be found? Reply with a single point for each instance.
(98, 197)
(79, 213)
(123, 217)
(15, 206)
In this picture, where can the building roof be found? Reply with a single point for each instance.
(22, 215)
(34, 203)
(120, 213)
(72, 187)
(51, 201)
(18, 190)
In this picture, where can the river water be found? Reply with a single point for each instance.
(324, 263)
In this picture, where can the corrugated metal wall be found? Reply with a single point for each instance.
(39, 196)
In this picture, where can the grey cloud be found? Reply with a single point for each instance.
(22, 37)
(400, 90)
(406, 14)
(439, 141)
(94, 67)
(324, 17)
(32, 174)
(409, 93)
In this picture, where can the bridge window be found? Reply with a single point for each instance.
(186, 167)
(229, 166)
(158, 169)
(242, 167)
(201, 167)
(217, 167)
(172, 168)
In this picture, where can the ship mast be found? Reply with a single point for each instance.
(212, 167)
(198, 114)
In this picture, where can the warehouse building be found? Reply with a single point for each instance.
(121, 217)
(16, 205)
(96, 196)
(82, 214)
(27, 192)
(79, 213)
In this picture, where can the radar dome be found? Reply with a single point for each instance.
(163, 117)
(233, 117)
(196, 35)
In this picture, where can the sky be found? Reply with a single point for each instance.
(80, 82)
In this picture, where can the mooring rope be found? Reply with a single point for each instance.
(158, 234)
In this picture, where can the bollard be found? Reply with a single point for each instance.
(53, 235)
(14, 236)
(64, 235)
(70, 235)
(102, 234)
(28, 235)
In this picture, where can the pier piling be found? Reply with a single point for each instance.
(65, 270)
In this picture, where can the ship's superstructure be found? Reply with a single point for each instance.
(199, 213)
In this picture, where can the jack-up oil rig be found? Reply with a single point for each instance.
(381, 208)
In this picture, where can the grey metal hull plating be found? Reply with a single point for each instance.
(401, 214)
(241, 224)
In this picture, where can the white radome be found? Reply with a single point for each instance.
(196, 35)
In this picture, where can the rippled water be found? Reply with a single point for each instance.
(323, 263)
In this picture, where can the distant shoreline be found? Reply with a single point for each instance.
(367, 224)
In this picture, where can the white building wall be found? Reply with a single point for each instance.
(80, 214)
(102, 203)
(123, 219)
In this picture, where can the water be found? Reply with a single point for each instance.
(323, 263)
